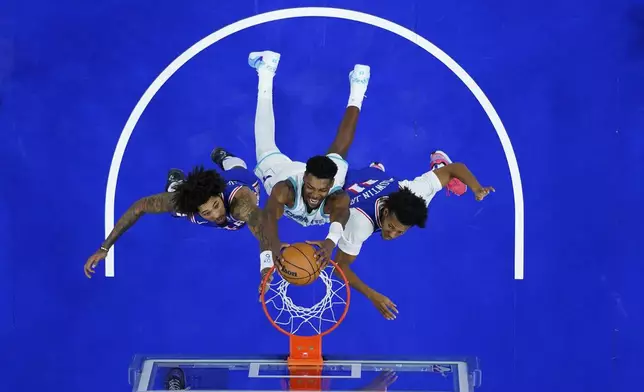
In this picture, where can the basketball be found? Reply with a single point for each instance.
(298, 264)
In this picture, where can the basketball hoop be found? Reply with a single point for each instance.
(305, 349)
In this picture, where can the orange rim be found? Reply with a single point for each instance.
(328, 331)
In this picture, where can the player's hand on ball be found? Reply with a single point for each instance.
(482, 193)
(387, 308)
(277, 255)
(277, 260)
(323, 252)
(93, 261)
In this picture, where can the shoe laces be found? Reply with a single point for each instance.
(174, 384)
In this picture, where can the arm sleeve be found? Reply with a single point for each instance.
(425, 186)
(357, 230)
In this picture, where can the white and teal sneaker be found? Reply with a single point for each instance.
(360, 75)
(265, 60)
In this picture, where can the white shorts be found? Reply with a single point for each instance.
(274, 167)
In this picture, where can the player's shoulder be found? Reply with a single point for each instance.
(360, 224)
(242, 201)
(284, 192)
(242, 191)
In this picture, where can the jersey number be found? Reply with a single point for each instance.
(356, 188)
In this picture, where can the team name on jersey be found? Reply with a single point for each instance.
(361, 193)
(303, 219)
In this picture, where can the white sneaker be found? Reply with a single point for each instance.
(265, 60)
(360, 75)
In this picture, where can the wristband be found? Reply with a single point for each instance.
(265, 260)
(335, 232)
(104, 248)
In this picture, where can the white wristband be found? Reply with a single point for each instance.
(335, 232)
(265, 260)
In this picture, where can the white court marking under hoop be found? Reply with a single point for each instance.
(338, 13)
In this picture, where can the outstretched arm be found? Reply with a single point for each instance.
(460, 171)
(337, 206)
(244, 208)
(357, 230)
(154, 204)
(262, 223)
(281, 195)
(429, 184)
(383, 304)
(344, 261)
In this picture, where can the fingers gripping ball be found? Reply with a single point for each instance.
(298, 264)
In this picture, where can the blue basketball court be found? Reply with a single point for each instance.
(539, 286)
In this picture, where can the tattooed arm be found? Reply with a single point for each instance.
(161, 202)
(244, 208)
(155, 204)
(263, 225)
(282, 195)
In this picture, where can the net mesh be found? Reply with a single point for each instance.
(295, 318)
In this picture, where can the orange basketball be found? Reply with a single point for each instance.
(298, 264)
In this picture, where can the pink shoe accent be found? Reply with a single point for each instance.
(455, 185)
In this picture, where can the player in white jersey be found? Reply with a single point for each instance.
(381, 203)
(309, 193)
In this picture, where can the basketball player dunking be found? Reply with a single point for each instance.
(208, 198)
(309, 193)
(381, 203)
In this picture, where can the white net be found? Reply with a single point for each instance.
(312, 320)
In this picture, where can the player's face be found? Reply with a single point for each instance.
(214, 210)
(391, 226)
(315, 190)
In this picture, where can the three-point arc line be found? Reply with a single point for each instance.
(338, 13)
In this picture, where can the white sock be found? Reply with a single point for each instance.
(265, 84)
(264, 116)
(230, 162)
(356, 95)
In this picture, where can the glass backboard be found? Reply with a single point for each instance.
(149, 373)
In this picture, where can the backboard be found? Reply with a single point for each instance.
(148, 373)
(305, 368)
